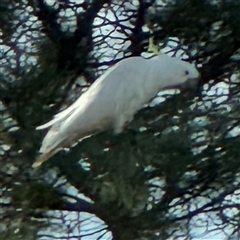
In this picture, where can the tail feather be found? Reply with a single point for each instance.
(44, 157)
(46, 125)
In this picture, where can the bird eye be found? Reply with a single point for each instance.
(186, 72)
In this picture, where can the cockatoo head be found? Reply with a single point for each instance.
(181, 73)
(190, 76)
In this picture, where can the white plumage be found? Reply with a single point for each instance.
(113, 99)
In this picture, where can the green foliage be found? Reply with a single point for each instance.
(36, 195)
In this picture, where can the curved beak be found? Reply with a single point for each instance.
(192, 83)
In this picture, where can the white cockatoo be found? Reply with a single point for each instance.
(113, 99)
